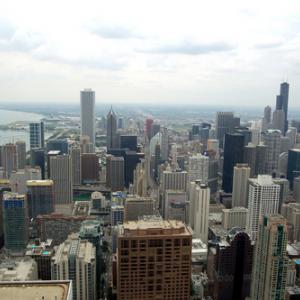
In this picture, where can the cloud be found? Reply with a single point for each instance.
(268, 45)
(190, 48)
(6, 29)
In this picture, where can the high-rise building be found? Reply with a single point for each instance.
(241, 175)
(198, 168)
(272, 141)
(137, 207)
(40, 197)
(164, 144)
(21, 154)
(291, 134)
(270, 259)
(117, 215)
(234, 217)
(36, 135)
(291, 212)
(85, 144)
(61, 174)
(155, 128)
(224, 124)
(282, 102)
(154, 260)
(278, 121)
(87, 104)
(230, 264)
(263, 199)
(89, 168)
(233, 154)
(115, 173)
(37, 158)
(266, 121)
(9, 159)
(296, 189)
(293, 169)
(60, 145)
(15, 222)
(283, 192)
(128, 142)
(175, 206)
(111, 136)
(148, 124)
(213, 145)
(75, 153)
(260, 161)
(75, 260)
(250, 157)
(173, 180)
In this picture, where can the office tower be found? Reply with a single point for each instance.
(50, 154)
(60, 145)
(141, 179)
(21, 154)
(111, 136)
(234, 217)
(156, 161)
(230, 266)
(128, 142)
(148, 125)
(75, 153)
(270, 261)
(284, 144)
(213, 169)
(175, 206)
(283, 192)
(137, 207)
(233, 154)
(164, 144)
(75, 260)
(282, 102)
(117, 215)
(255, 136)
(37, 158)
(40, 197)
(296, 189)
(250, 157)
(85, 144)
(278, 121)
(291, 134)
(293, 169)
(241, 175)
(272, 141)
(245, 132)
(154, 260)
(224, 124)
(3, 188)
(260, 161)
(15, 222)
(174, 164)
(155, 128)
(213, 145)
(36, 134)
(115, 173)
(198, 167)
(87, 116)
(9, 159)
(61, 174)
(263, 199)
(267, 114)
(131, 159)
(291, 211)
(89, 168)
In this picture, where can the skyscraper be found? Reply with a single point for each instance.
(75, 153)
(89, 168)
(154, 260)
(270, 260)
(198, 168)
(15, 222)
(61, 174)
(37, 158)
(266, 121)
(233, 154)
(36, 135)
(293, 165)
(272, 140)
(115, 173)
(282, 102)
(148, 125)
(111, 136)
(137, 207)
(278, 121)
(9, 159)
(263, 199)
(241, 175)
(164, 144)
(224, 124)
(87, 104)
(21, 154)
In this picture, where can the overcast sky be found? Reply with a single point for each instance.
(204, 52)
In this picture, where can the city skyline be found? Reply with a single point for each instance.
(127, 52)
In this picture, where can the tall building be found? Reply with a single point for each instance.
(270, 259)
(36, 135)
(224, 124)
(87, 104)
(61, 174)
(128, 142)
(111, 136)
(89, 168)
(282, 102)
(75, 260)
(37, 158)
(173, 180)
(15, 222)
(164, 144)
(75, 153)
(148, 125)
(155, 128)
(115, 173)
(278, 121)
(230, 264)
(154, 260)
(241, 175)
(272, 141)
(234, 217)
(263, 199)
(261, 158)
(250, 157)
(233, 154)
(293, 169)
(40, 197)
(21, 154)
(9, 159)
(266, 121)
(137, 207)
(117, 215)
(175, 206)
(198, 168)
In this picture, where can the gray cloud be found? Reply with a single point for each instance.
(190, 48)
(112, 32)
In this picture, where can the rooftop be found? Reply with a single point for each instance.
(46, 182)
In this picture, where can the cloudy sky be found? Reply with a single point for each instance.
(202, 52)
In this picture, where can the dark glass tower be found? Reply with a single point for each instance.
(233, 154)
(282, 102)
(293, 165)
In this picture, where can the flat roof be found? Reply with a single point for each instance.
(28, 290)
(46, 182)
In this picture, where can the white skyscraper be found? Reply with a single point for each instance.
(198, 168)
(263, 199)
(273, 142)
(87, 103)
(241, 174)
